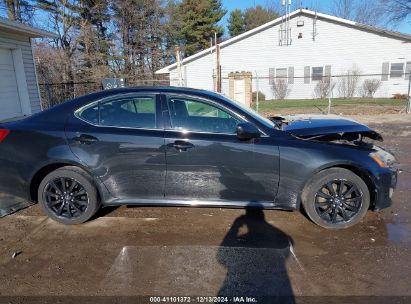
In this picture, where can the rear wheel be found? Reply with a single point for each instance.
(336, 198)
(68, 195)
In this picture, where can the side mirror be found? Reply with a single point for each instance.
(246, 130)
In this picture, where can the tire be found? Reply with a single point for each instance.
(334, 207)
(74, 206)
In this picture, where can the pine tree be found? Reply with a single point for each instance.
(94, 44)
(141, 28)
(236, 24)
(197, 22)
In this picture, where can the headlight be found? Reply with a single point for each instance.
(382, 157)
(378, 160)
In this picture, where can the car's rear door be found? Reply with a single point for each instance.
(207, 162)
(121, 140)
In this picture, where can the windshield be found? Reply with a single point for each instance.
(251, 112)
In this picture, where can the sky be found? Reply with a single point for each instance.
(323, 6)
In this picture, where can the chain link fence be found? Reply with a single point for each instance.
(280, 92)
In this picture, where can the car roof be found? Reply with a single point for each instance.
(165, 89)
(168, 89)
(57, 112)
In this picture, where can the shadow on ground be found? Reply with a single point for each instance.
(254, 254)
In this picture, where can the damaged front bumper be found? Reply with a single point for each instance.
(384, 188)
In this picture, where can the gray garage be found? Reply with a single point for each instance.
(19, 93)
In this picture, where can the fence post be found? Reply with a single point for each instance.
(409, 95)
(329, 96)
(257, 98)
(48, 95)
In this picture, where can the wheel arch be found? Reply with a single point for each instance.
(360, 171)
(42, 172)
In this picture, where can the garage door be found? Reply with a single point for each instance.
(9, 95)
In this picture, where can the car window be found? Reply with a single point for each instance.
(130, 111)
(265, 121)
(90, 114)
(195, 115)
(140, 105)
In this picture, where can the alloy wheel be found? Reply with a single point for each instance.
(66, 197)
(338, 201)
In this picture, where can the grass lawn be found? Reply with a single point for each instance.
(269, 105)
(355, 106)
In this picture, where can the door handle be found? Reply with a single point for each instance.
(85, 139)
(181, 145)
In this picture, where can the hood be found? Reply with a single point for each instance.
(332, 127)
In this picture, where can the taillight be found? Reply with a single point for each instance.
(3, 134)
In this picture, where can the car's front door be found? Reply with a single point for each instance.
(121, 140)
(207, 162)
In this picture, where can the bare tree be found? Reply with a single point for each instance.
(19, 10)
(324, 87)
(397, 10)
(369, 87)
(348, 82)
(279, 87)
(366, 12)
(51, 69)
(343, 8)
(371, 13)
(63, 20)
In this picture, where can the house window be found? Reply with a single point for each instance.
(317, 73)
(281, 73)
(397, 70)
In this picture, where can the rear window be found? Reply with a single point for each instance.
(129, 111)
(90, 114)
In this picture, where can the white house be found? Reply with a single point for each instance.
(318, 45)
(19, 92)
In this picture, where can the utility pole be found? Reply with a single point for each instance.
(329, 97)
(257, 99)
(212, 65)
(179, 73)
(408, 110)
(218, 69)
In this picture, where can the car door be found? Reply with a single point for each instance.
(207, 162)
(121, 140)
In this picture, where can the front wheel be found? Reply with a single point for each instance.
(336, 198)
(68, 195)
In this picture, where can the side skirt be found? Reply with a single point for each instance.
(196, 203)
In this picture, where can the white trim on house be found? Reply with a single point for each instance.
(19, 28)
(256, 30)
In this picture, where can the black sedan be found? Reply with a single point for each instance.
(186, 147)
